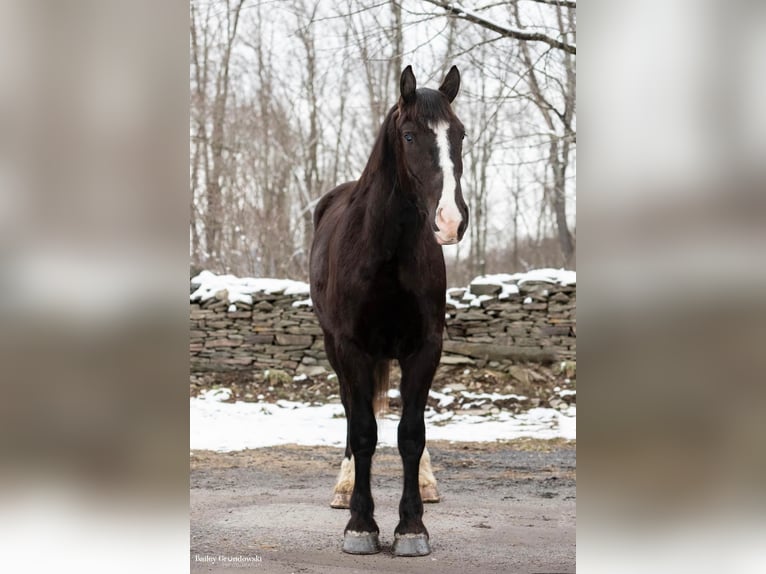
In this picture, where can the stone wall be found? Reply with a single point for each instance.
(497, 321)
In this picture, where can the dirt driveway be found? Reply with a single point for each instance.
(505, 508)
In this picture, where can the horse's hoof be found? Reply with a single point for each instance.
(430, 494)
(411, 545)
(341, 500)
(361, 542)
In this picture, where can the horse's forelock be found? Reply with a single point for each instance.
(432, 106)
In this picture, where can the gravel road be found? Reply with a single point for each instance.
(505, 508)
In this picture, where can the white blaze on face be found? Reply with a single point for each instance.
(448, 216)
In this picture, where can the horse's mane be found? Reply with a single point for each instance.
(382, 155)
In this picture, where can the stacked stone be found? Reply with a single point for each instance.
(269, 333)
(537, 324)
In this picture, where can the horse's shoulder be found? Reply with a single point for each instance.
(329, 198)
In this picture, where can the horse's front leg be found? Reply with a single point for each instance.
(411, 537)
(361, 533)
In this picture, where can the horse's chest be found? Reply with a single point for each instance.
(391, 322)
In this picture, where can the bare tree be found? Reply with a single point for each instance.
(460, 12)
(480, 149)
(287, 97)
(200, 47)
(561, 134)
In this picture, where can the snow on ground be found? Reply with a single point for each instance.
(224, 427)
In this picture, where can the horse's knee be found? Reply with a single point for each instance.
(412, 436)
(364, 436)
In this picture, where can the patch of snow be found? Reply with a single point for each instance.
(477, 301)
(215, 395)
(509, 282)
(542, 423)
(304, 303)
(232, 308)
(444, 400)
(242, 288)
(567, 393)
(508, 290)
(292, 405)
(527, 300)
(236, 426)
(474, 404)
(555, 276)
(454, 302)
(492, 396)
(435, 418)
(496, 279)
(301, 377)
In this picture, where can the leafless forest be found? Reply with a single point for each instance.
(287, 96)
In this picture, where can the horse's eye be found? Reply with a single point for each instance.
(464, 134)
(408, 136)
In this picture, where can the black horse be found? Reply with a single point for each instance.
(378, 285)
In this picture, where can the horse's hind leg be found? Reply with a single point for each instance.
(411, 537)
(426, 479)
(361, 533)
(344, 485)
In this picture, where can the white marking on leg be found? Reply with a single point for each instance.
(426, 479)
(345, 482)
(447, 210)
(425, 473)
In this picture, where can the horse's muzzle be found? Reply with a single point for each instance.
(447, 226)
(442, 241)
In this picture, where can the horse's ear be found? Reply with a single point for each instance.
(451, 84)
(407, 84)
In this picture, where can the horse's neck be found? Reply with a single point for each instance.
(392, 220)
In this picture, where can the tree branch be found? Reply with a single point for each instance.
(507, 32)
(564, 3)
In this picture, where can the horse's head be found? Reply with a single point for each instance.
(430, 140)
